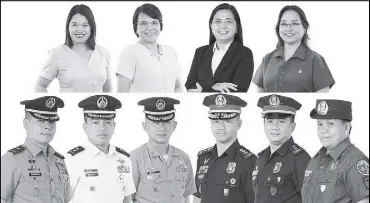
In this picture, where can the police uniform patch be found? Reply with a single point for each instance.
(231, 167)
(76, 150)
(366, 182)
(277, 167)
(205, 151)
(119, 150)
(363, 167)
(17, 150)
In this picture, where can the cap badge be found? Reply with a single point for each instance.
(102, 102)
(274, 101)
(220, 101)
(160, 104)
(50, 102)
(322, 108)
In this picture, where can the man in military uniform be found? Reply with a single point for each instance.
(162, 172)
(224, 171)
(35, 172)
(279, 171)
(339, 172)
(99, 171)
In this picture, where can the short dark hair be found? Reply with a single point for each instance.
(150, 10)
(304, 21)
(87, 13)
(239, 35)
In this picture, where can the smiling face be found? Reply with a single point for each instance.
(331, 132)
(278, 130)
(39, 131)
(225, 131)
(79, 29)
(224, 26)
(148, 28)
(99, 131)
(159, 132)
(291, 29)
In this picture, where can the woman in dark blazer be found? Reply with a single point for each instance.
(225, 65)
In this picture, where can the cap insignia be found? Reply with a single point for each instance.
(50, 103)
(102, 102)
(274, 101)
(322, 108)
(160, 104)
(220, 101)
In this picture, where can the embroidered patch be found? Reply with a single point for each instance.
(363, 167)
(366, 182)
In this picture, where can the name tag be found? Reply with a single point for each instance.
(152, 172)
(34, 174)
(307, 173)
(91, 174)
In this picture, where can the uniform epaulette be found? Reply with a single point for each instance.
(205, 151)
(59, 155)
(17, 150)
(296, 149)
(245, 153)
(119, 150)
(76, 150)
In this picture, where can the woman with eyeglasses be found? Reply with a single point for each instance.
(225, 64)
(293, 66)
(79, 64)
(148, 66)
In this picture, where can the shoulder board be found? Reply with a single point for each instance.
(59, 155)
(17, 150)
(76, 150)
(296, 149)
(205, 151)
(119, 150)
(245, 153)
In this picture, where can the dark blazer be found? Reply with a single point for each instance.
(235, 67)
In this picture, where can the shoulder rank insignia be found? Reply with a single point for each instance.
(17, 150)
(296, 149)
(245, 153)
(205, 151)
(119, 150)
(59, 155)
(76, 150)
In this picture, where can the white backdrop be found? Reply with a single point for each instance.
(339, 32)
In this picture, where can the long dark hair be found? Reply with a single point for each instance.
(239, 35)
(85, 11)
(304, 21)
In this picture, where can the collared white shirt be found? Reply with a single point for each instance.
(218, 54)
(97, 177)
(149, 73)
(72, 72)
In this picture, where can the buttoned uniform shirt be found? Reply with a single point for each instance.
(341, 176)
(149, 73)
(161, 181)
(29, 176)
(225, 179)
(278, 177)
(97, 177)
(305, 71)
(72, 72)
(218, 55)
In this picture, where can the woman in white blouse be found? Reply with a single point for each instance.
(79, 64)
(148, 66)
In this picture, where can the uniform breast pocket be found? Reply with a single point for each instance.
(31, 183)
(327, 186)
(181, 178)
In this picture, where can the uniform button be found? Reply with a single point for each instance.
(281, 84)
(173, 196)
(53, 196)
